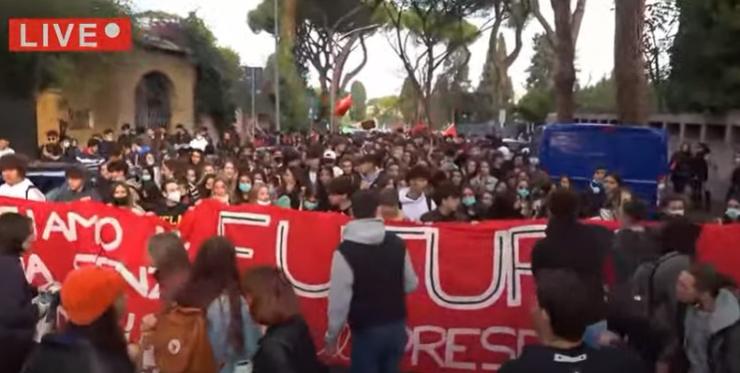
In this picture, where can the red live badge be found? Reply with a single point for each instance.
(69, 34)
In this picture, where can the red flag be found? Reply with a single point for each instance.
(343, 106)
(450, 131)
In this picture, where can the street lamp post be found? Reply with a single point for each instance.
(277, 67)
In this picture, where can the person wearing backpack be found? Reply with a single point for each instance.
(213, 287)
(287, 346)
(92, 340)
(16, 185)
(633, 242)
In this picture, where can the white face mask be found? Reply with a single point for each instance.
(676, 212)
(174, 196)
(264, 203)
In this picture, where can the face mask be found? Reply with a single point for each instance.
(174, 196)
(661, 186)
(468, 201)
(245, 187)
(733, 213)
(524, 193)
(676, 212)
(310, 206)
(146, 177)
(123, 201)
(264, 203)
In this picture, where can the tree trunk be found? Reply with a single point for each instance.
(629, 63)
(565, 72)
(287, 20)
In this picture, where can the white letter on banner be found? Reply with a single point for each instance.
(510, 353)
(140, 285)
(118, 236)
(6, 209)
(35, 267)
(519, 268)
(451, 348)
(429, 348)
(281, 256)
(87, 35)
(24, 41)
(56, 224)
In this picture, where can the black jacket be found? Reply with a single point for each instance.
(70, 353)
(578, 247)
(18, 315)
(582, 359)
(287, 348)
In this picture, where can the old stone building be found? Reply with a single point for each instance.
(150, 86)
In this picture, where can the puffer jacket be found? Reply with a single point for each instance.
(18, 315)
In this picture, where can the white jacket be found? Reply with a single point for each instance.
(413, 209)
(23, 190)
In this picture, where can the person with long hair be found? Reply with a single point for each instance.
(92, 341)
(287, 346)
(616, 196)
(243, 187)
(205, 187)
(170, 259)
(290, 186)
(214, 287)
(18, 317)
(220, 190)
(122, 196)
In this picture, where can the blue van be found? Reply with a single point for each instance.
(638, 154)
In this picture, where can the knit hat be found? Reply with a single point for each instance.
(88, 292)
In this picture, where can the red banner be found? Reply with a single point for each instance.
(470, 312)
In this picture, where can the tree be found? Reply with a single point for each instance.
(599, 98)
(448, 96)
(661, 21)
(436, 29)
(218, 72)
(408, 102)
(495, 81)
(359, 101)
(705, 62)
(539, 101)
(629, 63)
(563, 39)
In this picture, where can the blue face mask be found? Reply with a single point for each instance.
(524, 193)
(245, 187)
(468, 201)
(310, 206)
(733, 213)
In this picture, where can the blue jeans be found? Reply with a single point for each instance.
(378, 349)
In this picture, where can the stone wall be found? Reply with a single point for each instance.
(107, 92)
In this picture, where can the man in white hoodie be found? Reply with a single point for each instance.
(414, 201)
(16, 184)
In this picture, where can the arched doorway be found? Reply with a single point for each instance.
(153, 101)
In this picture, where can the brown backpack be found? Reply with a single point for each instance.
(180, 341)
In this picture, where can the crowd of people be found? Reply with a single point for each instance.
(422, 177)
(637, 299)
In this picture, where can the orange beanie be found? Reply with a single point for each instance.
(88, 292)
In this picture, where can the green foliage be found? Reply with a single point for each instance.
(542, 66)
(598, 98)
(408, 102)
(448, 97)
(293, 92)
(536, 104)
(385, 110)
(705, 60)
(218, 72)
(358, 111)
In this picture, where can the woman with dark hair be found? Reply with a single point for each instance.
(205, 187)
(170, 259)
(243, 187)
(565, 183)
(290, 187)
(326, 175)
(616, 196)
(92, 341)
(287, 346)
(122, 196)
(213, 286)
(18, 317)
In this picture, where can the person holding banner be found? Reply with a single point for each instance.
(371, 273)
(18, 315)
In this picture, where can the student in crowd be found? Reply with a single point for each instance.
(471, 207)
(287, 346)
(75, 187)
(260, 195)
(483, 180)
(372, 177)
(711, 325)
(340, 190)
(735, 177)
(414, 201)
(565, 183)
(594, 196)
(677, 242)
(171, 208)
(389, 206)
(633, 243)
(220, 190)
(447, 198)
(51, 151)
(558, 317)
(674, 205)
(616, 196)
(577, 247)
(16, 185)
(291, 187)
(205, 187)
(732, 212)
(92, 340)
(5, 148)
(122, 196)
(214, 287)
(168, 256)
(90, 158)
(243, 188)
(18, 316)
(680, 166)
(371, 274)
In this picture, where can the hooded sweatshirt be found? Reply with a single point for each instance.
(369, 234)
(23, 190)
(701, 326)
(413, 209)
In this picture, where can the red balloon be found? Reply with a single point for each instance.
(343, 106)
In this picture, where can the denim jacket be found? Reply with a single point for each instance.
(218, 334)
